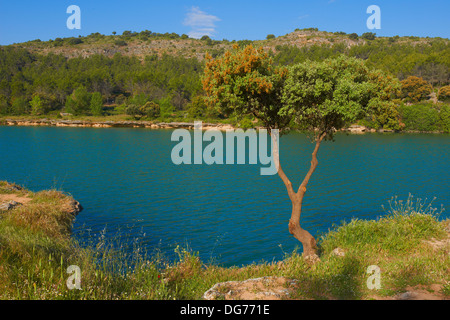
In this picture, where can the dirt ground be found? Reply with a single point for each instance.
(13, 197)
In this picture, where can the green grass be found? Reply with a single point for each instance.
(36, 249)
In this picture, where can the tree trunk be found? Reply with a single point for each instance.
(307, 240)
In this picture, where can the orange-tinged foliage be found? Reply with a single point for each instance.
(415, 88)
(243, 81)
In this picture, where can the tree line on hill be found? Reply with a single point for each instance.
(170, 86)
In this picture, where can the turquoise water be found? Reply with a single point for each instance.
(128, 185)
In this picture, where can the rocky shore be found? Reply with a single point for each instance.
(114, 124)
(356, 129)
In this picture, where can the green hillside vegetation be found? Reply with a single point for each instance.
(136, 70)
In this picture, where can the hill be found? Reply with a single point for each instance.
(134, 70)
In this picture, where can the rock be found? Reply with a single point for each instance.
(338, 252)
(75, 207)
(266, 288)
(357, 129)
(9, 205)
(13, 187)
(311, 259)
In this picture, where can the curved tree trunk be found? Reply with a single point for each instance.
(307, 240)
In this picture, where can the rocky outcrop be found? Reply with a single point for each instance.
(75, 207)
(9, 205)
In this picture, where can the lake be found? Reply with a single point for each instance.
(229, 214)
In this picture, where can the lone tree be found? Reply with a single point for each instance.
(320, 97)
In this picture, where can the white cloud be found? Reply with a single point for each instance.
(201, 23)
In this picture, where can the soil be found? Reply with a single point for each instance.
(13, 197)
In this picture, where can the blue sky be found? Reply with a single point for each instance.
(221, 19)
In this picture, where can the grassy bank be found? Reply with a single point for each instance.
(410, 245)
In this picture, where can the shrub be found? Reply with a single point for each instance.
(444, 93)
(152, 109)
(444, 118)
(415, 89)
(96, 104)
(166, 107)
(369, 36)
(135, 111)
(420, 117)
(20, 106)
(353, 36)
(75, 41)
(4, 106)
(120, 43)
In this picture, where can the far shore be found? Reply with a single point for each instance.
(357, 129)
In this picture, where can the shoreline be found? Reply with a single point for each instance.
(356, 129)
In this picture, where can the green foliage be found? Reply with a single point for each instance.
(37, 105)
(166, 108)
(197, 108)
(444, 93)
(20, 106)
(383, 109)
(429, 60)
(120, 43)
(96, 104)
(353, 36)
(79, 101)
(74, 41)
(136, 111)
(56, 77)
(152, 109)
(444, 118)
(329, 95)
(423, 117)
(270, 36)
(4, 105)
(246, 123)
(368, 36)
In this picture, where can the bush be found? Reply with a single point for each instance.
(75, 41)
(444, 118)
(135, 111)
(166, 108)
(369, 36)
(444, 93)
(79, 102)
(270, 36)
(96, 104)
(38, 105)
(120, 43)
(420, 117)
(4, 106)
(20, 106)
(152, 109)
(415, 89)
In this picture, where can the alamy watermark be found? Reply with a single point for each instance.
(190, 149)
(374, 21)
(74, 281)
(74, 20)
(374, 280)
